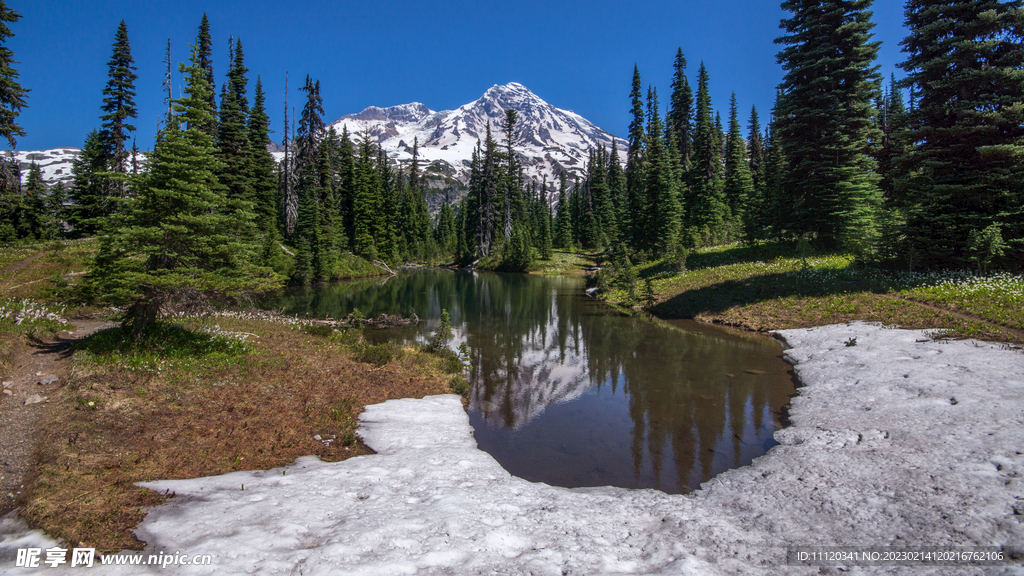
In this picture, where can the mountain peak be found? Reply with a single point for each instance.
(551, 140)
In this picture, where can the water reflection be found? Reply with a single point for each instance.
(569, 392)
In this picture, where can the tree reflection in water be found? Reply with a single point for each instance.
(570, 392)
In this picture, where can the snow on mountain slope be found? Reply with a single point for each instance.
(551, 140)
(55, 164)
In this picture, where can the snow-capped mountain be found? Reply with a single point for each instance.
(55, 165)
(551, 140)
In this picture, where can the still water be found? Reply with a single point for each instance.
(568, 391)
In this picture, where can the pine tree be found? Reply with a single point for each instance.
(892, 120)
(445, 233)
(12, 95)
(56, 211)
(260, 164)
(705, 206)
(204, 49)
(739, 186)
(775, 205)
(680, 115)
(232, 137)
(754, 222)
(89, 193)
(617, 191)
(174, 245)
(118, 108)
(563, 220)
(34, 222)
(635, 178)
(965, 172)
(367, 209)
(662, 218)
(825, 120)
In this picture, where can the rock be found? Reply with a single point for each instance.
(48, 379)
(8, 392)
(35, 399)
(316, 437)
(9, 384)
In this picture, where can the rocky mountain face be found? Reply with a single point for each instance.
(551, 140)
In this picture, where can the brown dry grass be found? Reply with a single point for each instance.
(113, 425)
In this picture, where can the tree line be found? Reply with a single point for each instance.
(931, 180)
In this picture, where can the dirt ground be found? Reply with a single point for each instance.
(29, 379)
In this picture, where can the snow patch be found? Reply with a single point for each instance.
(877, 455)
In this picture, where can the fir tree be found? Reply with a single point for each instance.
(445, 233)
(964, 169)
(118, 108)
(635, 194)
(662, 218)
(705, 206)
(56, 211)
(12, 95)
(260, 164)
(739, 186)
(825, 120)
(617, 191)
(204, 49)
(563, 221)
(174, 245)
(680, 115)
(89, 193)
(232, 137)
(754, 221)
(892, 120)
(34, 222)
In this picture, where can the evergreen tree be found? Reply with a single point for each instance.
(12, 95)
(680, 115)
(118, 108)
(260, 164)
(662, 218)
(603, 207)
(89, 192)
(34, 222)
(232, 136)
(174, 245)
(705, 206)
(563, 221)
(825, 120)
(964, 168)
(204, 49)
(754, 222)
(739, 186)
(445, 233)
(774, 205)
(56, 211)
(617, 191)
(892, 119)
(367, 209)
(635, 179)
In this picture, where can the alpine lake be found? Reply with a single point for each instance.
(569, 391)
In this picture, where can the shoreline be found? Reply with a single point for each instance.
(879, 453)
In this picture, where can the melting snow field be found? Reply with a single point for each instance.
(897, 440)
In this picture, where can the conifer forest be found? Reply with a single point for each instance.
(921, 173)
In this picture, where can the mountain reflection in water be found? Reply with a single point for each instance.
(568, 391)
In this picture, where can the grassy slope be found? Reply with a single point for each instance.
(768, 288)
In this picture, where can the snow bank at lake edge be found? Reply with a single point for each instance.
(896, 441)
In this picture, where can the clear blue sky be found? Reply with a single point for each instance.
(576, 55)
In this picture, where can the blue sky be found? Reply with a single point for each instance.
(576, 55)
